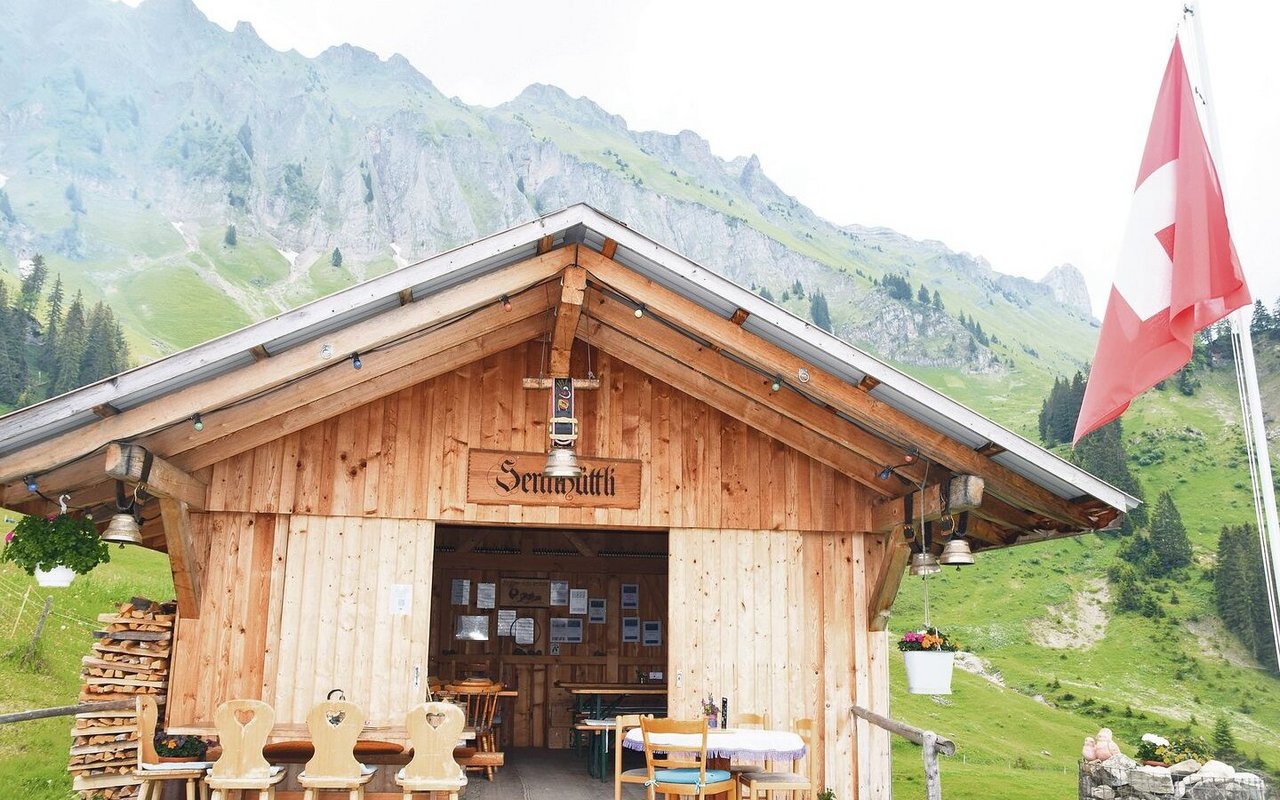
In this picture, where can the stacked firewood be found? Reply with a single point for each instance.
(130, 657)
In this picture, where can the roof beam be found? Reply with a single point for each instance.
(877, 415)
(125, 462)
(731, 403)
(894, 552)
(573, 283)
(964, 493)
(285, 367)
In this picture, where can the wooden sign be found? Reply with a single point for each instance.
(497, 477)
(524, 592)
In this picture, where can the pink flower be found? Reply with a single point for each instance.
(8, 537)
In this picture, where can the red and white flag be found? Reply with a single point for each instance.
(1178, 271)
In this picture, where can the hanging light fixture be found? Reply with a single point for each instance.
(562, 462)
(124, 527)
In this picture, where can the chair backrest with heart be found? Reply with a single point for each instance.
(243, 726)
(434, 730)
(334, 726)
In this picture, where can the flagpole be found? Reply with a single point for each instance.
(1255, 434)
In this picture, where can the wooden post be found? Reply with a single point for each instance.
(18, 617)
(932, 782)
(35, 637)
(66, 711)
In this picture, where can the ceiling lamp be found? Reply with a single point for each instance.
(562, 427)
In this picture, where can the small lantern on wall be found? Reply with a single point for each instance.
(562, 427)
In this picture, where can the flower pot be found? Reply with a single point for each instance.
(59, 576)
(929, 671)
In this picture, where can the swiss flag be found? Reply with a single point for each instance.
(1178, 270)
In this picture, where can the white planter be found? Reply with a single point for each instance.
(59, 576)
(929, 671)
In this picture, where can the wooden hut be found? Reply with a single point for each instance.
(363, 494)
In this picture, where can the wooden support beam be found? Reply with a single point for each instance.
(182, 555)
(894, 555)
(934, 445)
(125, 463)
(578, 383)
(868, 383)
(406, 296)
(964, 493)
(105, 410)
(295, 364)
(609, 249)
(544, 244)
(580, 544)
(259, 352)
(739, 316)
(573, 283)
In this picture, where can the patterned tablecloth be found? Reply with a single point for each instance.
(743, 744)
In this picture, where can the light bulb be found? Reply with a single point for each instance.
(356, 363)
(506, 303)
(197, 423)
(639, 311)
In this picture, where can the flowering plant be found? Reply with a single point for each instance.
(59, 539)
(1172, 751)
(927, 639)
(709, 707)
(178, 745)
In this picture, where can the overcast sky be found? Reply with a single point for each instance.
(1010, 130)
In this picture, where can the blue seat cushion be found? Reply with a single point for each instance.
(689, 775)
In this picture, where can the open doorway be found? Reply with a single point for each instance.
(537, 608)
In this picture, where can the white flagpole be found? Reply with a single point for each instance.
(1255, 434)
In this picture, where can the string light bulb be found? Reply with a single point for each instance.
(506, 302)
(776, 385)
(356, 363)
(196, 422)
(639, 311)
(31, 484)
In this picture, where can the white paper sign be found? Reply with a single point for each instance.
(652, 633)
(630, 595)
(522, 629)
(578, 601)
(461, 594)
(486, 594)
(631, 629)
(559, 593)
(506, 617)
(566, 629)
(596, 610)
(401, 599)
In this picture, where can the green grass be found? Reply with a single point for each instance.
(252, 264)
(164, 299)
(33, 754)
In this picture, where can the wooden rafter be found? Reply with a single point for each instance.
(964, 493)
(893, 553)
(283, 368)
(573, 282)
(125, 462)
(757, 414)
(876, 415)
(609, 249)
(752, 384)
(580, 544)
(182, 555)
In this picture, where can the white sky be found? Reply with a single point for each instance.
(1011, 130)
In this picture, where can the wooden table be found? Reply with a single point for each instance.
(725, 744)
(589, 697)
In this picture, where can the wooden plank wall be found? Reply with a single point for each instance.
(601, 657)
(405, 456)
(296, 606)
(769, 620)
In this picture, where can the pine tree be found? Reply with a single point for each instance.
(922, 296)
(819, 312)
(52, 327)
(937, 300)
(33, 285)
(797, 289)
(229, 238)
(105, 352)
(1240, 591)
(765, 294)
(71, 344)
(1224, 742)
(335, 259)
(1262, 324)
(1170, 545)
(6, 210)
(10, 349)
(1102, 452)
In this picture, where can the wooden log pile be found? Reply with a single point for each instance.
(130, 657)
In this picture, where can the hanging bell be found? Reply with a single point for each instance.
(956, 553)
(562, 462)
(123, 529)
(924, 564)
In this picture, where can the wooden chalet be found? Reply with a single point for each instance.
(748, 477)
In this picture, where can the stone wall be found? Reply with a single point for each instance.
(1122, 777)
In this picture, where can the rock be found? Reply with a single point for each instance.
(1216, 769)
(1227, 789)
(1103, 793)
(1184, 768)
(1114, 771)
(1151, 780)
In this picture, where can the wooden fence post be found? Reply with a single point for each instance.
(35, 637)
(932, 781)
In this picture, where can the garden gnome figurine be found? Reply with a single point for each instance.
(1089, 752)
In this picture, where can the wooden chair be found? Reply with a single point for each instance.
(242, 766)
(795, 782)
(621, 724)
(151, 770)
(434, 729)
(480, 701)
(682, 773)
(755, 722)
(334, 726)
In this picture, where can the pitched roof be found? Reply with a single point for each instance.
(59, 440)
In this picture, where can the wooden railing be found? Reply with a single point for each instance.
(930, 741)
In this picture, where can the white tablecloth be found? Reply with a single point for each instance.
(744, 744)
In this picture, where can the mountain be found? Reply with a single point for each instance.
(131, 140)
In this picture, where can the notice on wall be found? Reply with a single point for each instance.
(596, 612)
(506, 618)
(524, 592)
(630, 595)
(522, 629)
(486, 594)
(652, 633)
(559, 593)
(577, 601)
(566, 629)
(401, 599)
(631, 629)
(461, 594)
